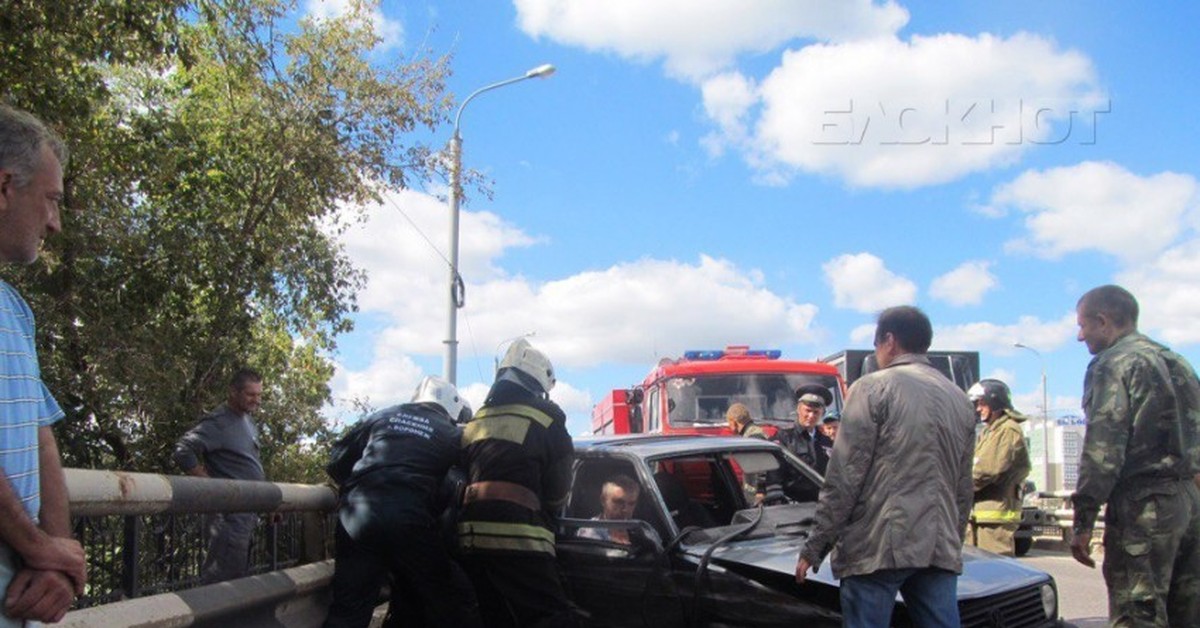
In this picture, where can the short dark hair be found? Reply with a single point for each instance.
(244, 376)
(22, 136)
(908, 325)
(622, 481)
(1114, 302)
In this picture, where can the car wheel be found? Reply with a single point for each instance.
(1022, 545)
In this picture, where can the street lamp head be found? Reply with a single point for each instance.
(542, 71)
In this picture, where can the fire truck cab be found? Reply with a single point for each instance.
(690, 395)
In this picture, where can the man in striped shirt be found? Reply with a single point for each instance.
(41, 567)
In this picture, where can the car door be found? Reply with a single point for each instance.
(616, 584)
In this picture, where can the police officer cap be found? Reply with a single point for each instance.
(814, 395)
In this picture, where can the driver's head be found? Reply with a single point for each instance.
(619, 497)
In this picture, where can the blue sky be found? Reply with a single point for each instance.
(708, 172)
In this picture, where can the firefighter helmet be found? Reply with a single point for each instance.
(521, 356)
(433, 389)
(993, 392)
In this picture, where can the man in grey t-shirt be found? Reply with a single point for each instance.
(225, 445)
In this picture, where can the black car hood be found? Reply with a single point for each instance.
(983, 574)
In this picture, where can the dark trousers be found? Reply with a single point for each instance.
(520, 591)
(228, 554)
(427, 585)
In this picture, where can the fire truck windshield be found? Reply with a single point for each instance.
(771, 397)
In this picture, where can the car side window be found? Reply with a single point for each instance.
(590, 476)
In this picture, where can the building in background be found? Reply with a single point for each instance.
(1065, 440)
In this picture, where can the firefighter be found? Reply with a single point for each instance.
(1001, 464)
(517, 456)
(389, 469)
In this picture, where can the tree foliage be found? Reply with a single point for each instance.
(218, 148)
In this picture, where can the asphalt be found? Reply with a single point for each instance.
(1082, 596)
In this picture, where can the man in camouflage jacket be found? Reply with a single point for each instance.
(1141, 454)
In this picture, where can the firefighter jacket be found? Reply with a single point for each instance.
(518, 443)
(1001, 465)
(390, 466)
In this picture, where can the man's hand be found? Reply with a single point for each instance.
(1081, 548)
(44, 596)
(56, 553)
(802, 568)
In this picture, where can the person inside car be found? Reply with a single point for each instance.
(618, 499)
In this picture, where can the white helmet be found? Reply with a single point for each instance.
(433, 389)
(523, 357)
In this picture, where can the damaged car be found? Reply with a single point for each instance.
(713, 541)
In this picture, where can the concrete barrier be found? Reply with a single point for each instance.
(292, 598)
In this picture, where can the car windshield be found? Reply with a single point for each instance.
(703, 400)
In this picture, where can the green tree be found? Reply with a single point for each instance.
(216, 157)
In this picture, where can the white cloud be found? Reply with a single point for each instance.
(631, 312)
(863, 335)
(363, 12)
(695, 38)
(861, 282)
(1166, 291)
(1099, 206)
(407, 273)
(635, 312)
(391, 378)
(965, 285)
(1043, 336)
(891, 113)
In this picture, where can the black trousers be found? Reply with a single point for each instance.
(428, 587)
(520, 590)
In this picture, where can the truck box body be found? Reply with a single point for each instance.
(962, 367)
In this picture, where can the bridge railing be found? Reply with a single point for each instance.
(144, 533)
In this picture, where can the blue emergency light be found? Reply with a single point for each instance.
(707, 355)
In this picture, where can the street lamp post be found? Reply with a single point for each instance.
(1045, 416)
(450, 364)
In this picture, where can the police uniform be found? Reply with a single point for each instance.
(812, 447)
(517, 455)
(390, 469)
(1001, 465)
(1140, 455)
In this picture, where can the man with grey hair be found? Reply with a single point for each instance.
(41, 567)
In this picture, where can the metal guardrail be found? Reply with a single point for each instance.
(143, 534)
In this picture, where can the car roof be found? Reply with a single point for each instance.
(653, 445)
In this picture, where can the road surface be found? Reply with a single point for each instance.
(1083, 600)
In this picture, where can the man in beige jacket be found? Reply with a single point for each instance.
(897, 491)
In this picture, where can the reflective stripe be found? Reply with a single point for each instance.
(533, 414)
(509, 428)
(998, 516)
(493, 535)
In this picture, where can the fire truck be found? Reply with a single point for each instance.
(690, 394)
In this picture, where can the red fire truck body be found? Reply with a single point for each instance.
(691, 394)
